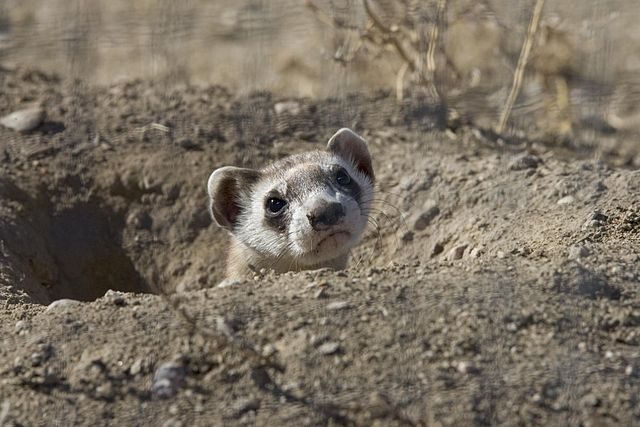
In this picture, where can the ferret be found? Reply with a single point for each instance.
(303, 212)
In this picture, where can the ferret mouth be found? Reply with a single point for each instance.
(333, 234)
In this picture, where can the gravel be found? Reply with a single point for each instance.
(168, 379)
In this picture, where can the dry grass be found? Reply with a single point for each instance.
(405, 38)
(518, 74)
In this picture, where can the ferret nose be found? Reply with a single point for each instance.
(326, 215)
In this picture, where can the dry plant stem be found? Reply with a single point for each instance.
(322, 17)
(433, 44)
(395, 42)
(522, 64)
(400, 81)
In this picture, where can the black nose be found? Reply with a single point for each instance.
(326, 215)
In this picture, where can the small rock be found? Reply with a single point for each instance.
(168, 379)
(524, 161)
(329, 348)
(590, 400)
(338, 305)
(578, 251)
(466, 367)
(23, 120)
(407, 182)
(172, 422)
(437, 249)
(105, 391)
(224, 326)
(599, 216)
(136, 367)
(288, 107)
(424, 218)
(456, 252)
(591, 223)
(189, 144)
(21, 326)
(115, 297)
(500, 254)
(475, 253)
(316, 340)
(566, 200)
(228, 283)
(243, 405)
(407, 236)
(321, 293)
(62, 304)
(139, 219)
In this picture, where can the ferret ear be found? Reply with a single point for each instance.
(350, 146)
(226, 187)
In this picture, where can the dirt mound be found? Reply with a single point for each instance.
(498, 285)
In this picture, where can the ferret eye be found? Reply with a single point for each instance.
(275, 205)
(343, 178)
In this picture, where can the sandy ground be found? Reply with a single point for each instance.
(500, 286)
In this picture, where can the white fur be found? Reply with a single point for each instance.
(298, 246)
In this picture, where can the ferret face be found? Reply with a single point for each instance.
(310, 209)
(301, 211)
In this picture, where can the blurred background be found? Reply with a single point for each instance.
(580, 85)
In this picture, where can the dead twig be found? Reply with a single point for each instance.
(433, 45)
(391, 38)
(522, 64)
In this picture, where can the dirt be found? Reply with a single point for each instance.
(499, 285)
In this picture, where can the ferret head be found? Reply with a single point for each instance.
(301, 211)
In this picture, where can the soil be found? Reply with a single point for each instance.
(499, 285)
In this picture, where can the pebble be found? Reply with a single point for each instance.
(590, 400)
(105, 391)
(61, 304)
(338, 305)
(228, 283)
(321, 293)
(189, 144)
(23, 120)
(329, 348)
(287, 107)
(437, 249)
(424, 218)
(115, 297)
(140, 219)
(316, 340)
(566, 200)
(168, 379)
(172, 422)
(475, 253)
(139, 366)
(578, 251)
(524, 161)
(246, 404)
(407, 236)
(407, 182)
(456, 252)
(21, 326)
(466, 367)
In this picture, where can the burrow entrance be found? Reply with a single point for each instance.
(84, 244)
(72, 251)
